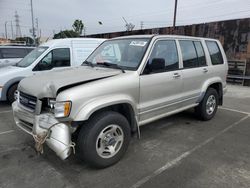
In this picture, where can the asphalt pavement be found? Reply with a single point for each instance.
(178, 151)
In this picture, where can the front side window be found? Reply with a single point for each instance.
(55, 58)
(123, 53)
(215, 53)
(164, 51)
(31, 57)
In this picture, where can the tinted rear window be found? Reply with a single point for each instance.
(189, 54)
(13, 52)
(200, 54)
(215, 53)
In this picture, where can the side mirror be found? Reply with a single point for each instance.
(157, 65)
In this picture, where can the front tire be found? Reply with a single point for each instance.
(208, 106)
(11, 93)
(104, 139)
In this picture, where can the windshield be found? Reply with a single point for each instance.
(123, 53)
(31, 57)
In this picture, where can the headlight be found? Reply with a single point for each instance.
(62, 109)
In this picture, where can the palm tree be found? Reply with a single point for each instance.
(78, 26)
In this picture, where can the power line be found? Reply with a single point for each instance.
(218, 16)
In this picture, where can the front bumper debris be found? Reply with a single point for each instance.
(45, 129)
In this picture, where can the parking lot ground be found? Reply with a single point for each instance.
(178, 151)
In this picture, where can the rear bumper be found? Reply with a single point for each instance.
(59, 134)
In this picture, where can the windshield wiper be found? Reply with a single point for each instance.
(112, 65)
(88, 63)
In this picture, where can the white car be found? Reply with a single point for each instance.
(10, 55)
(52, 55)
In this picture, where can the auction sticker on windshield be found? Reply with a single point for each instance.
(138, 43)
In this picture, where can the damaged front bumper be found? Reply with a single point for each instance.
(58, 135)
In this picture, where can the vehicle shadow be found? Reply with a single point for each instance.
(4, 105)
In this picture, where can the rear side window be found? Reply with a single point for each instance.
(189, 54)
(13, 53)
(193, 54)
(215, 53)
(200, 54)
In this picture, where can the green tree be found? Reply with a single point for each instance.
(27, 40)
(66, 34)
(78, 26)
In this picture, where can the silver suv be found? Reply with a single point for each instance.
(125, 83)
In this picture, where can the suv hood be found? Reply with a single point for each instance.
(48, 85)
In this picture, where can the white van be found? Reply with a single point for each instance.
(10, 55)
(52, 55)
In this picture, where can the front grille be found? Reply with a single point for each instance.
(27, 101)
(26, 124)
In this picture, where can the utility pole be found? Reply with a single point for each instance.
(6, 34)
(32, 19)
(84, 31)
(142, 25)
(18, 29)
(37, 27)
(12, 34)
(175, 12)
(37, 32)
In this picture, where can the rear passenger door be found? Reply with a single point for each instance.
(160, 91)
(195, 70)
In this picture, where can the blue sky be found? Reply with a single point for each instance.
(56, 15)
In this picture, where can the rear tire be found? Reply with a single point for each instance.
(11, 93)
(104, 139)
(208, 106)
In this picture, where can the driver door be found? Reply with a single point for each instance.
(160, 91)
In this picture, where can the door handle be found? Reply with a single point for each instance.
(205, 70)
(176, 75)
